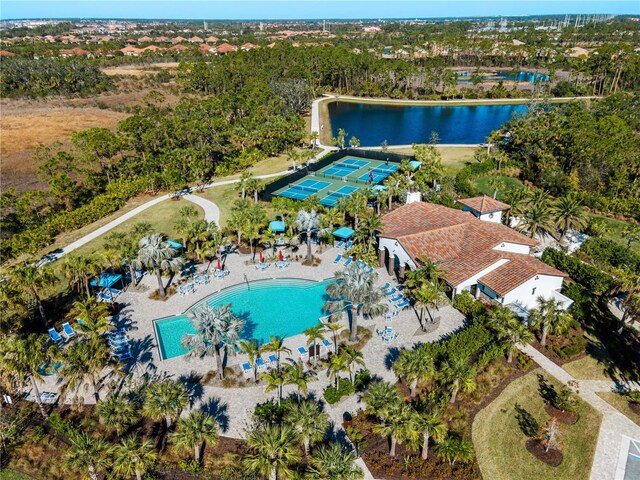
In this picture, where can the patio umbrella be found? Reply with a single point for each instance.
(219, 266)
(280, 256)
(260, 256)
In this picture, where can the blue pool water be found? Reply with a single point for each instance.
(404, 125)
(280, 307)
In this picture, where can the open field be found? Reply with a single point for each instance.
(500, 442)
(596, 365)
(139, 70)
(482, 184)
(23, 130)
(453, 158)
(619, 402)
(616, 232)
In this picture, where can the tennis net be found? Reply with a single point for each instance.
(304, 189)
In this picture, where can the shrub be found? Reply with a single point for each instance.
(333, 395)
(576, 347)
(362, 380)
(595, 280)
(60, 426)
(607, 252)
(633, 396)
(491, 352)
(463, 344)
(467, 305)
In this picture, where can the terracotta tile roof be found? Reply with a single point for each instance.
(461, 243)
(226, 48)
(484, 204)
(515, 272)
(5, 53)
(179, 48)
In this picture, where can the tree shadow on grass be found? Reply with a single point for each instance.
(219, 411)
(547, 391)
(527, 423)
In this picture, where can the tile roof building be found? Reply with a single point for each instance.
(485, 208)
(487, 258)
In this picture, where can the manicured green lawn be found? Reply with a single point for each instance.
(597, 365)
(453, 158)
(500, 443)
(619, 402)
(616, 232)
(223, 196)
(482, 184)
(7, 474)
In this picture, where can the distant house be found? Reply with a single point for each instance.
(486, 258)
(175, 40)
(5, 53)
(248, 46)
(196, 39)
(485, 208)
(178, 48)
(130, 41)
(163, 39)
(225, 48)
(131, 51)
(211, 39)
(206, 48)
(516, 42)
(152, 48)
(145, 39)
(372, 29)
(75, 52)
(577, 52)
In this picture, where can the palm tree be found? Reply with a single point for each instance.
(134, 457)
(627, 280)
(569, 214)
(334, 462)
(550, 316)
(428, 295)
(393, 423)
(79, 270)
(459, 375)
(254, 187)
(34, 281)
(378, 395)
(155, 254)
(509, 328)
(182, 227)
(276, 345)
(194, 432)
(496, 184)
(430, 425)
(366, 232)
(22, 358)
(355, 292)
(415, 366)
(356, 207)
(87, 453)
(352, 357)
(83, 364)
(164, 400)
(631, 233)
(253, 351)
(307, 222)
(242, 183)
(275, 381)
(336, 365)
(94, 316)
(453, 450)
(314, 335)
(295, 374)
(117, 412)
(334, 328)
(536, 220)
(217, 331)
(311, 423)
(273, 450)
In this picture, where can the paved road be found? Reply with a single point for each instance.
(615, 429)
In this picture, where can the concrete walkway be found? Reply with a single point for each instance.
(211, 210)
(615, 429)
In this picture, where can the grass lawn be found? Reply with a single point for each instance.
(453, 158)
(597, 365)
(223, 196)
(619, 402)
(500, 443)
(616, 233)
(7, 474)
(482, 184)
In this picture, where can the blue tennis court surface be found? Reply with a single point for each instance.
(333, 196)
(304, 189)
(379, 173)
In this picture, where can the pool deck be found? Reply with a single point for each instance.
(233, 406)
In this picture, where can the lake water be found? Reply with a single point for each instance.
(404, 125)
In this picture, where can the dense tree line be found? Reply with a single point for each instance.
(50, 76)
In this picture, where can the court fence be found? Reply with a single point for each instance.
(311, 168)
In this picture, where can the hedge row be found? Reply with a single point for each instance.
(468, 173)
(592, 278)
(607, 252)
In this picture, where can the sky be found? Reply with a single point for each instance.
(303, 9)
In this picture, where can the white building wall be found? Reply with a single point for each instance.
(525, 294)
(396, 249)
(513, 248)
(474, 279)
(495, 217)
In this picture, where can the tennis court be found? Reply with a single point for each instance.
(333, 196)
(379, 173)
(304, 189)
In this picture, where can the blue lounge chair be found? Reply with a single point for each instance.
(370, 271)
(273, 360)
(303, 352)
(340, 244)
(403, 304)
(261, 364)
(392, 292)
(104, 297)
(386, 286)
(397, 298)
(338, 258)
(247, 370)
(348, 245)
(67, 330)
(359, 262)
(55, 336)
(327, 344)
(114, 291)
(124, 356)
(348, 262)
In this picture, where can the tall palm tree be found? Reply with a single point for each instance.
(309, 420)
(352, 357)
(80, 269)
(429, 425)
(254, 187)
(194, 432)
(295, 374)
(550, 316)
(428, 295)
(453, 450)
(155, 254)
(415, 366)
(355, 292)
(253, 351)
(164, 400)
(536, 220)
(356, 207)
(366, 232)
(458, 375)
(242, 183)
(509, 328)
(187, 215)
(83, 364)
(276, 345)
(217, 331)
(334, 328)
(336, 365)
(334, 462)
(93, 315)
(88, 454)
(22, 357)
(117, 412)
(275, 381)
(393, 423)
(307, 222)
(569, 214)
(378, 395)
(315, 335)
(273, 450)
(34, 281)
(134, 457)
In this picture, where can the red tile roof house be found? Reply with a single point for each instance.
(487, 258)
(225, 48)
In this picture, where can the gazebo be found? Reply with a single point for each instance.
(106, 280)
(277, 226)
(175, 245)
(344, 233)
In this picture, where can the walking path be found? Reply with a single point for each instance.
(211, 210)
(616, 428)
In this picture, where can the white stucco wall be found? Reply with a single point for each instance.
(397, 250)
(513, 248)
(525, 295)
(474, 279)
(495, 217)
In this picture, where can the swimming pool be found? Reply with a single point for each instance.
(275, 307)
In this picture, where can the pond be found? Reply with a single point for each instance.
(404, 125)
